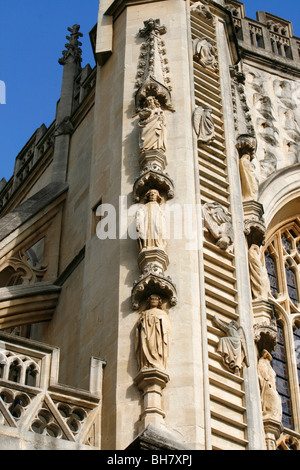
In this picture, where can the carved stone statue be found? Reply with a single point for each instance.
(232, 347)
(270, 398)
(204, 125)
(218, 222)
(260, 284)
(152, 336)
(150, 222)
(153, 126)
(205, 53)
(249, 180)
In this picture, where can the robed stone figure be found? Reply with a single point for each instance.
(232, 347)
(152, 126)
(150, 222)
(270, 398)
(152, 336)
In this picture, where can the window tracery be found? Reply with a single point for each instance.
(282, 261)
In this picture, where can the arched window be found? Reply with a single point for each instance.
(282, 260)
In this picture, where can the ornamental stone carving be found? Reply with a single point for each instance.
(218, 222)
(153, 71)
(152, 335)
(202, 9)
(232, 346)
(205, 53)
(204, 125)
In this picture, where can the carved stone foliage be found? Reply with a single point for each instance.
(218, 222)
(205, 53)
(232, 346)
(270, 398)
(204, 125)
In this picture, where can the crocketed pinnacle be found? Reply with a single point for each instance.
(73, 51)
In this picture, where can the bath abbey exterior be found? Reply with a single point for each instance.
(150, 239)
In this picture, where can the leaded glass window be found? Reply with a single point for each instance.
(282, 261)
(279, 364)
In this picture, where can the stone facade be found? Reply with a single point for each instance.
(152, 235)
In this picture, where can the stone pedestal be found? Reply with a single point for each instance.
(156, 257)
(152, 382)
(273, 430)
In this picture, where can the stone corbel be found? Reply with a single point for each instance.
(152, 382)
(254, 224)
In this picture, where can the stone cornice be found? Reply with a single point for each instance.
(118, 6)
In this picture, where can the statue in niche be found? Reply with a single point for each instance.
(204, 125)
(249, 180)
(232, 347)
(152, 336)
(150, 222)
(205, 53)
(152, 126)
(218, 223)
(270, 398)
(259, 279)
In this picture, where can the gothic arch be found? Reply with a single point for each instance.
(280, 194)
(283, 246)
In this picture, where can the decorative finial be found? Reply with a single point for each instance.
(73, 46)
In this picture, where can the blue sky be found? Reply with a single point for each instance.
(32, 38)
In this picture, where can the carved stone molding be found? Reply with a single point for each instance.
(153, 159)
(153, 257)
